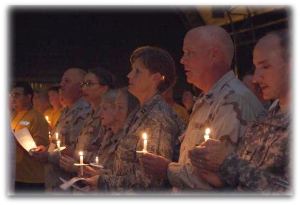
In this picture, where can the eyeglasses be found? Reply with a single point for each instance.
(88, 84)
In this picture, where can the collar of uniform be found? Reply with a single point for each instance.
(209, 97)
(80, 102)
(149, 104)
(274, 117)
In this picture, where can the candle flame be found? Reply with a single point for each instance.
(145, 136)
(80, 153)
(207, 131)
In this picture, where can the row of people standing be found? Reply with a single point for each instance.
(226, 106)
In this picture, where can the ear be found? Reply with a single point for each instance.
(157, 77)
(213, 54)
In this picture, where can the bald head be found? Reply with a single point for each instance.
(215, 37)
(76, 73)
(70, 85)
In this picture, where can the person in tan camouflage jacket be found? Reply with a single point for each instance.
(68, 126)
(261, 163)
(224, 106)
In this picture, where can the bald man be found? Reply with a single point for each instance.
(261, 162)
(69, 124)
(225, 106)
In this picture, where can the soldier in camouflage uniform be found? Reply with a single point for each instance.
(153, 71)
(96, 83)
(68, 126)
(224, 106)
(261, 162)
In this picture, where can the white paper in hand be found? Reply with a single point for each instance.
(25, 139)
(67, 184)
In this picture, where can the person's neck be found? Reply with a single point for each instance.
(24, 108)
(115, 128)
(95, 103)
(143, 98)
(212, 79)
(170, 101)
(44, 107)
(284, 102)
(57, 107)
(71, 102)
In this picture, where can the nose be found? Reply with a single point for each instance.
(129, 75)
(182, 59)
(61, 84)
(257, 76)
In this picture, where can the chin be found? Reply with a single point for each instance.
(266, 97)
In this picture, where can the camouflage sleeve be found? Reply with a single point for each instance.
(230, 119)
(77, 126)
(238, 172)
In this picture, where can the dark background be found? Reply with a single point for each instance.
(44, 41)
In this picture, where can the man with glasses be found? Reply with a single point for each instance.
(29, 173)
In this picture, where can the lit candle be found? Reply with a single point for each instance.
(80, 157)
(56, 136)
(145, 141)
(206, 135)
(47, 118)
(97, 160)
(81, 162)
(49, 135)
(58, 145)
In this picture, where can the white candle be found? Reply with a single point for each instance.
(206, 135)
(81, 162)
(97, 160)
(80, 157)
(58, 145)
(56, 135)
(145, 141)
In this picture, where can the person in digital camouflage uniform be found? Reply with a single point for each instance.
(224, 106)
(96, 83)
(261, 163)
(153, 71)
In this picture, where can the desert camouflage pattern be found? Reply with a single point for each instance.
(225, 109)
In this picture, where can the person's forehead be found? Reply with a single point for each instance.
(90, 76)
(269, 43)
(138, 63)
